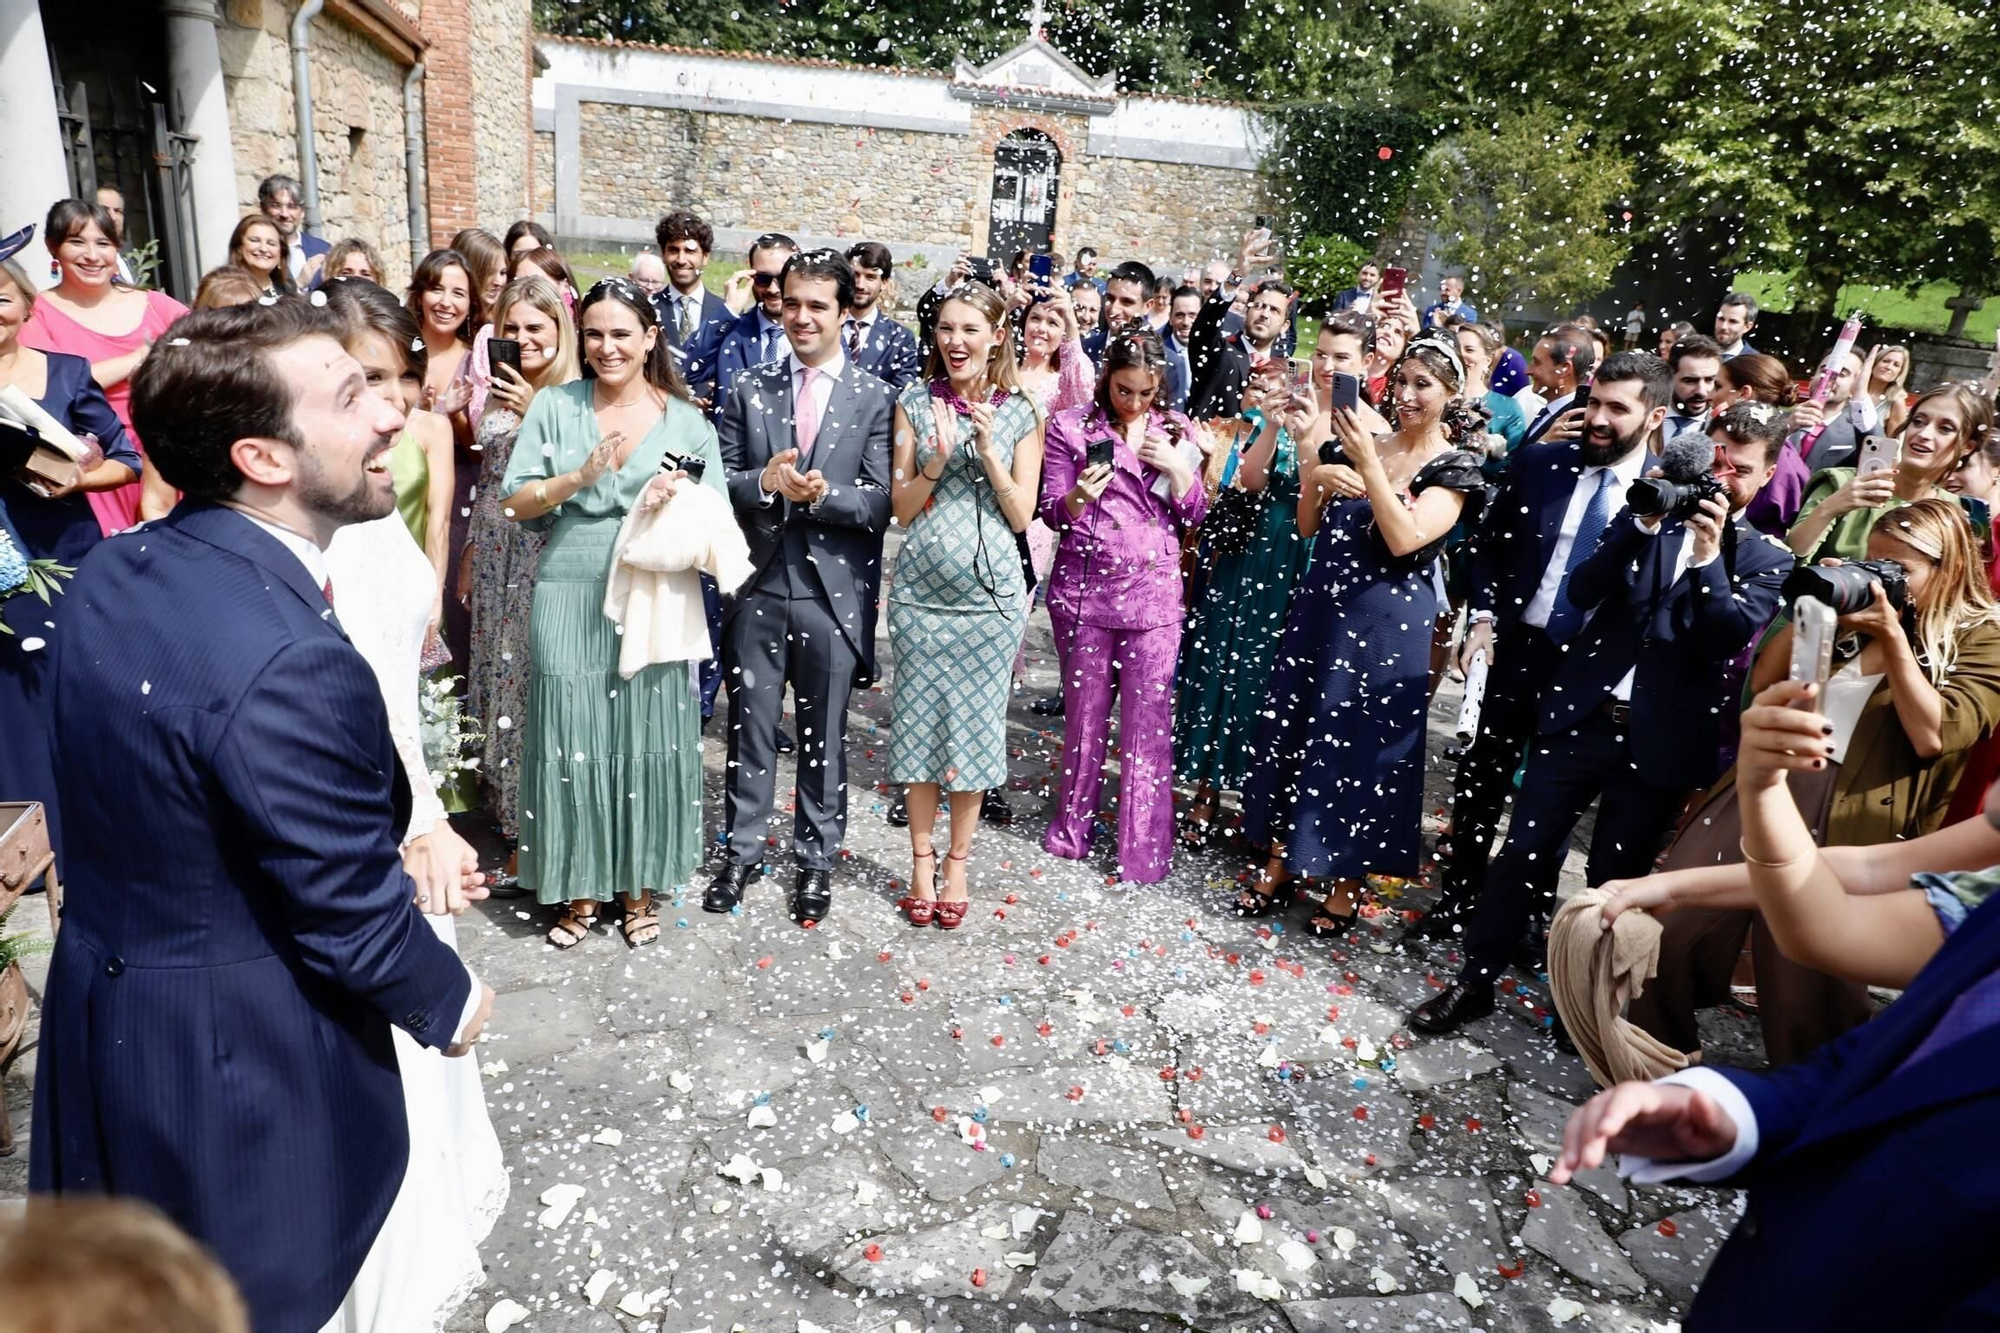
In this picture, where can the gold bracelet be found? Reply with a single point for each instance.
(1774, 865)
(542, 495)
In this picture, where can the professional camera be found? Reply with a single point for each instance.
(1850, 587)
(1657, 497)
(1688, 465)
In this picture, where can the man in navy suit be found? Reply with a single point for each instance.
(1221, 361)
(1734, 319)
(1126, 293)
(239, 934)
(693, 316)
(1561, 363)
(757, 335)
(873, 341)
(1516, 562)
(1878, 1143)
(279, 199)
(1651, 620)
(1361, 295)
(1183, 307)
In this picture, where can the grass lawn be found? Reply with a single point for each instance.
(1886, 307)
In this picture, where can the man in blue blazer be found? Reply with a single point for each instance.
(1634, 711)
(757, 336)
(871, 340)
(1516, 563)
(693, 316)
(239, 934)
(278, 198)
(1873, 1197)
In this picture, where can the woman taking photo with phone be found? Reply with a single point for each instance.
(1912, 692)
(1336, 775)
(1843, 504)
(610, 767)
(1239, 596)
(968, 459)
(1119, 486)
(496, 574)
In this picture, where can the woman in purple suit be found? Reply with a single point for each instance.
(1120, 482)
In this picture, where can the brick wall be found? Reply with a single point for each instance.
(451, 180)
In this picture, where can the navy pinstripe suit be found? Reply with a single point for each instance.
(238, 934)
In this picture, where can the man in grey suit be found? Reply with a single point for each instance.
(806, 442)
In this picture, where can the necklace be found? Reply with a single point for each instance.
(643, 395)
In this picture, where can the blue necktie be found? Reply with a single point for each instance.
(770, 347)
(1565, 619)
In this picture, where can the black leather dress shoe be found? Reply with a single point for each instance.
(1049, 707)
(899, 812)
(993, 807)
(1452, 1008)
(812, 896)
(726, 889)
(785, 743)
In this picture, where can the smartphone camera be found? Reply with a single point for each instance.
(1097, 452)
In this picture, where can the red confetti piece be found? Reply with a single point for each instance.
(807, 924)
(1276, 1133)
(1193, 1075)
(1013, 898)
(923, 983)
(1184, 1115)
(1509, 985)
(1168, 1074)
(1259, 1028)
(873, 1254)
(957, 1033)
(1349, 1043)
(1369, 1160)
(939, 1114)
(978, 1277)
(1000, 912)
(1196, 1131)
(1332, 1013)
(1235, 958)
(1360, 1113)
(884, 956)
(1045, 1029)
(1511, 1273)
(999, 1039)
(1256, 977)
(1472, 1126)
(1533, 1198)
(1667, 1227)
(1127, 1010)
(907, 998)
(1427, 1121)
(1043, 960)
(764, 963)
(1076, 1093)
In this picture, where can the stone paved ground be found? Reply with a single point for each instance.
(1096, 1107)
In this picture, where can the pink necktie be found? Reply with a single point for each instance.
(805, 413)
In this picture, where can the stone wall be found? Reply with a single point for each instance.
(637, 162)
(749, 171)
(502, 75)
(545, 174)
(357, 123)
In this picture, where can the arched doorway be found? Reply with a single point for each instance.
(1027, 169)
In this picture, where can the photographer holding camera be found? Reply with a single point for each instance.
(1916, 684)
(1677, 587)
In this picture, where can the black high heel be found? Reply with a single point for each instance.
(1254, 902)
(1327, 924)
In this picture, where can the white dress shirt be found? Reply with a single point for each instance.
(1622, 691)
(822, 392)
(1625, 471)
(1551, 409)
(314, 559)
(1727, 1096)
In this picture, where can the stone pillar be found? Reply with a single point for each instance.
(33, 172)
(194, 85)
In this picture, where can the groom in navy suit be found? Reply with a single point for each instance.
(239, 934)
(1873, 1194)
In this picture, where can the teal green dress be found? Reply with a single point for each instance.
(1231, 638)
(610, 768)
(957, 608)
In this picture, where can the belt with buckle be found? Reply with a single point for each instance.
(1617, 710)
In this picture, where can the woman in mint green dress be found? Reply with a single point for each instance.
(610, 767)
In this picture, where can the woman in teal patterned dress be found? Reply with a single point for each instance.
(968, 470)
(1238, 613)
(610, 767)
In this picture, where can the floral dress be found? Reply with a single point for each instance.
(504, 557)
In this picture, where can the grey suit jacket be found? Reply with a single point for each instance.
(842, 534)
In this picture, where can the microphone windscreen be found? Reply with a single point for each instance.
(1687, 456)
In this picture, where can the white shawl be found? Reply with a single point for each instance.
(654, 593)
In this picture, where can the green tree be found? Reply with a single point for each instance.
(1526, 207)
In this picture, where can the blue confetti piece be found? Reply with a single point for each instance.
(1007, 1160)
(979, 1115)
(861, 1112)
(763, 1099)
(828, 1034)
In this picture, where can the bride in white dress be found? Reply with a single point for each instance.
(425, 1261)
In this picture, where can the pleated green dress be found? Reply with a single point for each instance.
(610, 768)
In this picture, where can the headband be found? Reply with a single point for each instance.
(13, 245)
(1444, 346)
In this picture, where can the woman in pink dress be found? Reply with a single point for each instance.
(1057, 374)
(91, 314)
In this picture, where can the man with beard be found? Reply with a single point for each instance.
(1651, 620)
(1697, 365)
(873, 341)
(1126, 294)
(1555, 500)
(239, 934)
(1221, 360)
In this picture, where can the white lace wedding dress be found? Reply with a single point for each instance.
(425, 1261)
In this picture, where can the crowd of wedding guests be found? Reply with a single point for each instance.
(627, 508)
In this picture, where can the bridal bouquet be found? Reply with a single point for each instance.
(19, 574)
(451, 742)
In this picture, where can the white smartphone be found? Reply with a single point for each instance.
(1813, 633)
(1879, 453)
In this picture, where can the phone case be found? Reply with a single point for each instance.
(1813, 631)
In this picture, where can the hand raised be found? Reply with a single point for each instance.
(1662, 1121)
(601, 458)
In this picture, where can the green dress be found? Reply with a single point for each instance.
(610, 768)
(1847, 539)
(957, 607)
(410, 471)
(1232, 633)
